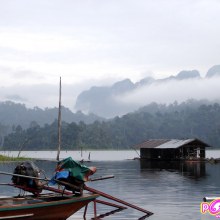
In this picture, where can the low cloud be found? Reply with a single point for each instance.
(15, 98)
(164, 92)
(11, 76)
(173, 90)
(46, 95)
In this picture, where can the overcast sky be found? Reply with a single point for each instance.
(95, 42)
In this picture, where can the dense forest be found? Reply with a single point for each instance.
(187, 120)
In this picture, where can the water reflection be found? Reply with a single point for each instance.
(190, 169)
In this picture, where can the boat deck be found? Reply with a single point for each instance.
(50, 197)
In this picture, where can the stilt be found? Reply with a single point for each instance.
(95, 213)
(85, 211)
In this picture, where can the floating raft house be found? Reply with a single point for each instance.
(172, 149)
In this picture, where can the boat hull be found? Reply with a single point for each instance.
(34, 209)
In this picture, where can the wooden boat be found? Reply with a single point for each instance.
(50, 206)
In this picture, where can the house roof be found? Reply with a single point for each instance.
(170, 143)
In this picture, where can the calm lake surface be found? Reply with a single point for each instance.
(95, 155)
(170, 190)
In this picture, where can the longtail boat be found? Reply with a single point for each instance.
(46, 206)
(64, 201)
(58, 204)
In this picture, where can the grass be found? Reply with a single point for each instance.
(6, 158)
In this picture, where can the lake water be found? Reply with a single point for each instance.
(169, 190)
(98, 155)
(95, 155)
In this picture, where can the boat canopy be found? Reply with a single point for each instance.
(75, 169)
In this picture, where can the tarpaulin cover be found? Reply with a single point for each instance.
(59, 175)
(76, 170)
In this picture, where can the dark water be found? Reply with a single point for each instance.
(170, 190)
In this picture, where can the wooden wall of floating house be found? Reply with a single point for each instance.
(145, 153)
(159, 154)
(149, 153)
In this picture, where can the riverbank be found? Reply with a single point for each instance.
(4, 158)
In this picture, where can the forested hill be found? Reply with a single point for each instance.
(18, 114)
(153, 121)
(13, 115)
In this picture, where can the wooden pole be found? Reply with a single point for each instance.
(24, 176)
(59, 124)
(102, 178)
(110, 204)
(117, 200)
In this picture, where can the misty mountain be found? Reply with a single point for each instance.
(102, 99)
(125, 96)
(13, 114)
(214, 71)
(187, 74)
